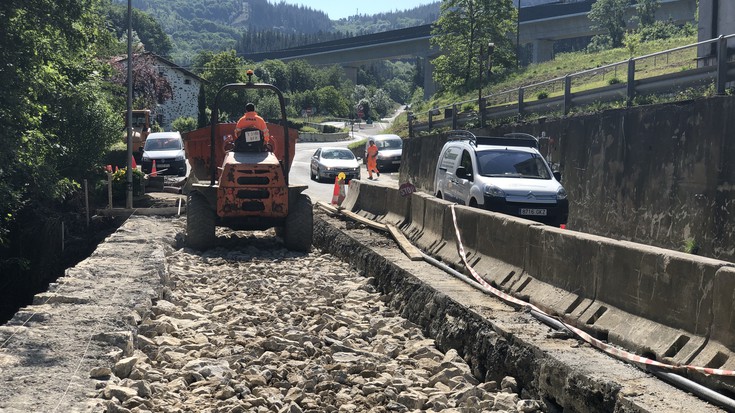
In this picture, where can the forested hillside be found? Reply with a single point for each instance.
(257, 25)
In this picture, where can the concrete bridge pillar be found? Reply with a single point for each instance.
(716, 17)
(543, 50)
(351, 73)
(429, 85)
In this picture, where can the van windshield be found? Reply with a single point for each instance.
(389, 144)
(512, 164)
(163, 144)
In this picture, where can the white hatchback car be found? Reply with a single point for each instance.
(502, 174)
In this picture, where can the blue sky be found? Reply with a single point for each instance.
(339, 9)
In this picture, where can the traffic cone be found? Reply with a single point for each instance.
(338, 195)
(133, 163)
(153, 169)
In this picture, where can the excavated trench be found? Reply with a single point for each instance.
(498, 340)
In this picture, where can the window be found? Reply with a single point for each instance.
(187, 81)
(466, 161)
(512, 164)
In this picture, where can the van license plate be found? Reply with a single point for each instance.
(533, 211)
(164, 165)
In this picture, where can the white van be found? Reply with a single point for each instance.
(390, 149)
(502, 174)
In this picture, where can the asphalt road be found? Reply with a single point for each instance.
(319, 191)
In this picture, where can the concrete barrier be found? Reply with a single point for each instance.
(662, 304)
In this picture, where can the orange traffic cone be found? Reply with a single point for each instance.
(338, 195)
(134, 165)
(153, 169)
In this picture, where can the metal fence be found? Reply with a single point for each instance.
(626, 82)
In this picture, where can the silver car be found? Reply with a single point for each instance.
(327, 163)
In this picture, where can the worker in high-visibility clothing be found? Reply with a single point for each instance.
(372, 159)
(251, 119)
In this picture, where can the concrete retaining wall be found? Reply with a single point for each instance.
(662, 304)
(659, 175)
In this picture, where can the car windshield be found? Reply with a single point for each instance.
(512, 164)
(389, 144)
(162, 144)
(337, 154)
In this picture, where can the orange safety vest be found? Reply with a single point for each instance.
(252, 120)
(372, 157)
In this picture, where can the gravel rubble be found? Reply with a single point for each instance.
(251, 327)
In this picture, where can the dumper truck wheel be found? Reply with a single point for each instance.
(299, 228)
(199, 222)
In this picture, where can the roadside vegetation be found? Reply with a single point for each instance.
(492, 75)
(61, 105)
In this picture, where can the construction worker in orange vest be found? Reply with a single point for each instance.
(251, 119)
(372, 159)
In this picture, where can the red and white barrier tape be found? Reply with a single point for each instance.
(615, 352)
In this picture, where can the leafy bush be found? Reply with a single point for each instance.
(599, 43)
(665, 30)
(542, 95)
(308, 129)
(613, 81)
(120, 180)
(184, 124)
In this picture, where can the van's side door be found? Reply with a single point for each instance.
(445, 172)
(464, 178)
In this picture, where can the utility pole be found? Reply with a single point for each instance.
(129, 173)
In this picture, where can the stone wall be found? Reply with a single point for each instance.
(185, 100)
(659, 175)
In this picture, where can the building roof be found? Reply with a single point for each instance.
(171, 64)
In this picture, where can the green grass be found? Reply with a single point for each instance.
(564, 64)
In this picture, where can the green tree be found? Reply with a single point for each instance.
(646, 11)
(274, 72)
(301, 76)
(149, 32)
(202, 119)
(331, 101)
(609, 16)
(55, 116)
(149, 87)
(223, 68)
(463, 30)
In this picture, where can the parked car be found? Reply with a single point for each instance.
(390, 149)
(502, 174)
(167, 149)
(330, 161)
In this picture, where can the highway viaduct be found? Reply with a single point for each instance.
(540, 25)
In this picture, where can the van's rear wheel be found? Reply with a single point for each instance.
(298, 232)
(200, 222)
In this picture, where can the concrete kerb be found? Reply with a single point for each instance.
(371, 200)
(435, 240)
(353, 196)
(415, 228)
(398, 208)
(717, 353)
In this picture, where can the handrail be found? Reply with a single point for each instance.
(721, 79)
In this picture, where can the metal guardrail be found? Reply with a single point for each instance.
(560, 96)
